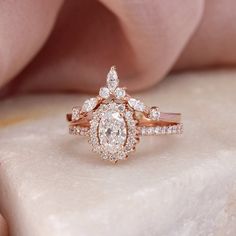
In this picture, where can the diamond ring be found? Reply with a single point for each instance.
(114, 121)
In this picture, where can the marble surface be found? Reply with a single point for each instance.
(52, 184)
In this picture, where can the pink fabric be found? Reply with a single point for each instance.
(70, 45)
(3, 227)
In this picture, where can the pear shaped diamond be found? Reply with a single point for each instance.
(112, 79)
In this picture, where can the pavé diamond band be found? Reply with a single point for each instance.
(114, 121)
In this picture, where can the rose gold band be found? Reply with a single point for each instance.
(168, 123)
(144, 130)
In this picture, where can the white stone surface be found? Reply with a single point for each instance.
(51, 184)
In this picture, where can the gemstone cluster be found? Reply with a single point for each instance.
(114, 121)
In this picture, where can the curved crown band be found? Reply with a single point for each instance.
(114, 121)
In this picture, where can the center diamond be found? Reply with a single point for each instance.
(112, 131)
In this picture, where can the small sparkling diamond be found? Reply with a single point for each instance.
(150, 130)
(180, 129)
(72, 130)
(163, 130)
(104, 156)
(129, 148)
(120, 93)
(121, 155)
(157, 130)
(154, 113)
(104, 92)
(112, 79)
(89, 105)
(75, 113)
(132, 102)
(81, 131)
(143, 131)
(160, 130)
(174, 129)
(121, 107)
(169, 130)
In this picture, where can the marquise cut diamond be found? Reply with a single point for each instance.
(89, 105)
(136, 104)
(112, 79)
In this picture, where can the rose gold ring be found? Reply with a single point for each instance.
(114, 121)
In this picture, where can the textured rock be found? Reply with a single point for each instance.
(52, 184)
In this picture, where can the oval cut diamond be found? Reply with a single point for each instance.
(112, 131)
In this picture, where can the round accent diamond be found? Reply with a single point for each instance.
(104, 92)
(120, 93)
(154, 113)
